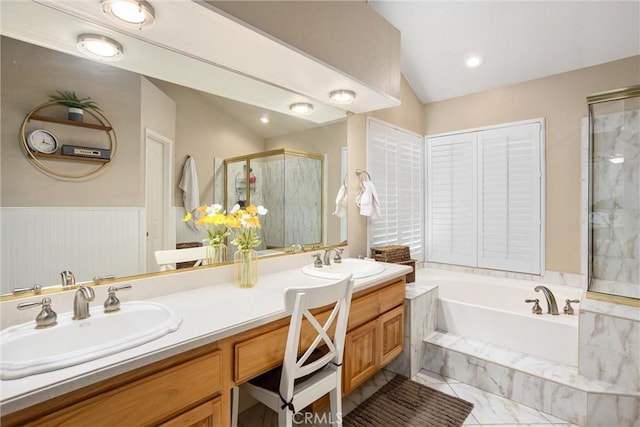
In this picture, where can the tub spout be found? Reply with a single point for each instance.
(552, 306)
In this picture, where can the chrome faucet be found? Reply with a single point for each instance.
(68, 279)
(336, 259)
(552, 306)
(83, 296)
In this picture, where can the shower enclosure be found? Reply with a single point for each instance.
(614, 193)
(286, 182)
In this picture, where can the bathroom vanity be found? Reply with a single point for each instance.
(228, 336)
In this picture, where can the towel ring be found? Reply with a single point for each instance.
(360, 172)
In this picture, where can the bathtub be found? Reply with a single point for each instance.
(493, 310)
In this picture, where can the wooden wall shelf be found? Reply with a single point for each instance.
(69, 122)
(100, 123)
(72, 158)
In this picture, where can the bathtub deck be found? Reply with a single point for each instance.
(542, 384)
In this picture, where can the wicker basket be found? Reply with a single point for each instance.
(410, 277)
(393, 253)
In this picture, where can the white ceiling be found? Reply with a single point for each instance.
(520, 40)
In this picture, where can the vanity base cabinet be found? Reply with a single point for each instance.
(208, 414)
(391, 335)
(194, 388)
(360, 359)
(372, 346)
(379, 336)
(178, 392)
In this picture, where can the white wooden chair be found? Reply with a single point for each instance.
(302, 380)
(167, 259)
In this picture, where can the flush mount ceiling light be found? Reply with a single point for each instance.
(264, 119)
(100, 47)
(473, 61)
(342, 96)
(138, 13)
(301, 108)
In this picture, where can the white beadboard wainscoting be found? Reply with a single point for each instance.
(40, 242)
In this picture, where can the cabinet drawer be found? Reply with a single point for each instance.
(362, 310)
(148, 400)
(257, 355)
(392, 296)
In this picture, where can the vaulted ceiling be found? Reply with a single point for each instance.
(519, 40)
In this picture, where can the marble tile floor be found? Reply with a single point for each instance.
(489, 409)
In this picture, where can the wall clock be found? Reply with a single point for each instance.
(42, 141)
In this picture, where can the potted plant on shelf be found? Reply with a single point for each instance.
(76, 105)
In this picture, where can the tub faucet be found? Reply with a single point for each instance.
(83, 296)
(336, 259)
(552, 306)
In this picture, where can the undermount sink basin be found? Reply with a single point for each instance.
(27, 351)
(358, 267)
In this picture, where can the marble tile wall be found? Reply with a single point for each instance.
(291, 189)
(610, 343)
(420, 320)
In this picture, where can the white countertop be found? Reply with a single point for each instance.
(209, 314)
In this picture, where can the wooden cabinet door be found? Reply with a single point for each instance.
(391, 334)
(360, 356)
(209, 414)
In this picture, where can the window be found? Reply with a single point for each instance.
(395, 164)
(484, 198)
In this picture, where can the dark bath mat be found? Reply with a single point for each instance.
(402, 402)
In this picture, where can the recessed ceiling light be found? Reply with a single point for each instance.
(129, 12)
(100, 47)
(264, 119)
(301, 108)
(473, 61)
(342, 96)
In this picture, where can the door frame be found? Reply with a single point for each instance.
(169, 231)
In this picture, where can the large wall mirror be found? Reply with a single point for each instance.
(100, 226)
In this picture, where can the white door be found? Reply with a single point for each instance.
(158, 197)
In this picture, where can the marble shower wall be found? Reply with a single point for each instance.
(290, 187)
(615, 205)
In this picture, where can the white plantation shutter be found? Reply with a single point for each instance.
(485, 198)
(451, 199)
(509, 198)
(394, 162)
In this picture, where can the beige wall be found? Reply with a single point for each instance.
(29, 75)
(561, 100)
(406, 116)
(348, 35)
(204, 131)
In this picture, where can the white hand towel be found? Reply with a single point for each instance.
(189, 185)
(341, 202)
(367, 200)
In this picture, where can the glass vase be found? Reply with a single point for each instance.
(245, 268)
(216, 254)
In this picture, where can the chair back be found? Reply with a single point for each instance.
(167, 259)
(299, 301)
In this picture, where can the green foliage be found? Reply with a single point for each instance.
(70, 99)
